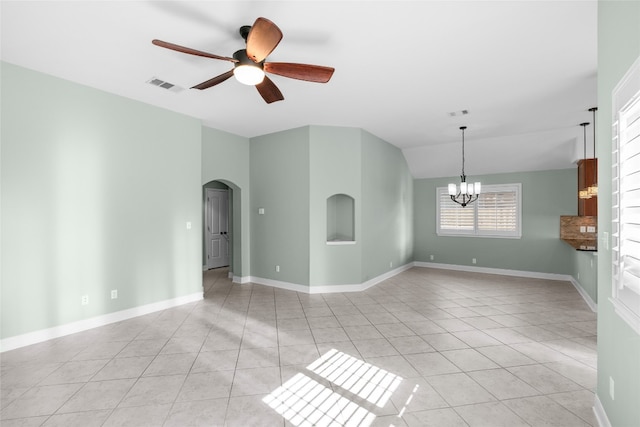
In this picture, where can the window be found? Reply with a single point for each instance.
(626, 198)
(496, 213)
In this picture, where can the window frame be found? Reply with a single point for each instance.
(493, 234)
(626, 99)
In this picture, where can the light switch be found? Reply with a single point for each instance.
(260, 211)
(188, 225)
(583, 229)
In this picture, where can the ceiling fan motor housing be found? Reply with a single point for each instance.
(243, 59)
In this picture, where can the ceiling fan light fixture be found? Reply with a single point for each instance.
(248, 74)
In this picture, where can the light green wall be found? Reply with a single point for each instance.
(546, 195)
(96, 193)
(585, 271)
(618, 344)
(387, 208)
(280, 184)
(292, 175)
(225, 158)
(335, 168)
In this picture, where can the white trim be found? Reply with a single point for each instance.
(340, 242)
(499, 271)
(629, 316)
(324, 289)
(585, 296)
(94, 322)
(241, 279)
(517, 273)
(599, 412)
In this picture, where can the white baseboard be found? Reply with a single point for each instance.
(601, 415)
(35, 337)
(517, 273)
(241, 279)
(585, 296)
(323, 289)
(498, 271)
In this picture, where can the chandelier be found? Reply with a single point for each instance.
(467, 192)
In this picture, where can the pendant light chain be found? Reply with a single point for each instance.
(584, 194)
(593, 188)
(463, 175)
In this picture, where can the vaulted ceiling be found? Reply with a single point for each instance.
(524, 70)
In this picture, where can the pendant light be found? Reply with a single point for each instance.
(467, 192)
(584, 193)
(593, 187)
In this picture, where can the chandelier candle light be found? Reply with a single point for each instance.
(467, 192)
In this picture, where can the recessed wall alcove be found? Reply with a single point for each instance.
(340, 220)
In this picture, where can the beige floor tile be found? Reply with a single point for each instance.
(138, 416)
(404, 343)
(200, 413)
(503, 384)
(540, 410)
(491, 414)
(446, 417)
(459, 389)
(431, 364)
(544, 379)
(469, 359)
(77, 419)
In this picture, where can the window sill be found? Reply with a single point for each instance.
(483, 236)
(340, 242)
(631, 318)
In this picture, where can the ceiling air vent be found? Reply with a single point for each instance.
(165, 85)
(459, 113)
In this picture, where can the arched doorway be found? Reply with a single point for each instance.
(221, 226)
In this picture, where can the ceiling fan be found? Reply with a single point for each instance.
(250, 66)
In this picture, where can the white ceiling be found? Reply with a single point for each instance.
(525, 70)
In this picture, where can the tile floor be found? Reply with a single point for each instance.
(425, 348)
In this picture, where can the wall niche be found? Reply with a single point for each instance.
(340, 219)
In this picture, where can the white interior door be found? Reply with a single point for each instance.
(217, 227)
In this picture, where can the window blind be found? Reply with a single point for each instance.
(629, 198)
(496, 213)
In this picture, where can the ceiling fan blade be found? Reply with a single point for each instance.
(190, 51)
(269, 91)
(214, 81)
(310, 73)
(262, 39)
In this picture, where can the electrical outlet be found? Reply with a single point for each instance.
(189, 225)
(277, 269)
(591, 229)
(84, 300)
(612, 388)
(583, 229)
(431, 257)
(114, 294)
(473, 260)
